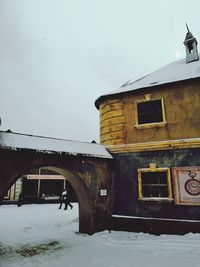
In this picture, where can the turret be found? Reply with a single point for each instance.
(190, 43)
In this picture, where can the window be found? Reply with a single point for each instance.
(154, 184)
(150, 113)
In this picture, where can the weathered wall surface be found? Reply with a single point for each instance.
(86, 175)
(112, 122)
(125, 184)
(182, 108)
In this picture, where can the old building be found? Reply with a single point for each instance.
(149, 179)
(152, 128)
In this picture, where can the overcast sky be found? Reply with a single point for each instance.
(58, 56)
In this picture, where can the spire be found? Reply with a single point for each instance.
(187, 27)
(190, 43)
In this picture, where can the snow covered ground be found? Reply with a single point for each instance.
(43, 235)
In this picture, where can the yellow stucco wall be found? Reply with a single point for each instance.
(112, 122)
(182, 110)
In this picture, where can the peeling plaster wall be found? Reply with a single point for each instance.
(182, 107)
(125, 183)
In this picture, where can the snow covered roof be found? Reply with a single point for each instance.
(173, 72)
(15, 141)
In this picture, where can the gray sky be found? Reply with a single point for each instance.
(58, 56)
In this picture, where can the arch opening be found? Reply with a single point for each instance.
(78, 188)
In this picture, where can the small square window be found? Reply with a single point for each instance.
(150, 113)
(154, 185)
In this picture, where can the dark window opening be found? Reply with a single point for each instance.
(190, 47)
(30, 187)
(51, 187)
(150, 111)
(154, 184)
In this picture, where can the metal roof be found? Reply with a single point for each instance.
(16, 141)
(173, 72)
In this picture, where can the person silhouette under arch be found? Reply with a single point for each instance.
(65, 199)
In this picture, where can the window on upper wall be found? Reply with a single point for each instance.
(154, 184)
(150, 113)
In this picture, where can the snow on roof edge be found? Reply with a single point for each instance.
(171, 73)
(133, 90)
(42, 144)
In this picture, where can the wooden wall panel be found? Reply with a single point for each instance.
(112, 122)
(112, 136)
(112, 128)
(111, 107)
(112, 114)
(114, 142)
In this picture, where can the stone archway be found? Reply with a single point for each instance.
(87, 176)
(82, 193)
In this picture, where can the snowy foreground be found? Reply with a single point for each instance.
(43, 235)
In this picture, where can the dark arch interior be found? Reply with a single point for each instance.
(41, 185)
